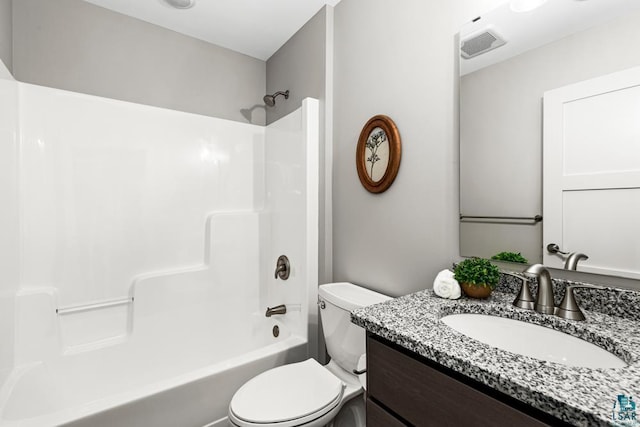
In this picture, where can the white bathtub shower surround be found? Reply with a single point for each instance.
(111, 184)
(154, 235)
(9, 223)
(4, 72)
(291, 171)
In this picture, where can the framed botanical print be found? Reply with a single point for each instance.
(378, 154)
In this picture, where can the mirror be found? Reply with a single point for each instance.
(508, 61)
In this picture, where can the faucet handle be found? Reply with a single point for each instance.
(553, 248)
(569, 308)
(283, 268)
(524, 299)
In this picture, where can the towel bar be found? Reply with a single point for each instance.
(470, 218)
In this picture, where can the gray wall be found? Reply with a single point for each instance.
(74, 45)
(396, 58)
(501, 130)
(6, 36)
(299, 65)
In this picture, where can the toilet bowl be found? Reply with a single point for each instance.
(307, 393)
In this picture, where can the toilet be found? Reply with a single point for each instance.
(307, 393)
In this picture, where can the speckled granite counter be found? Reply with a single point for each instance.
(578, 395)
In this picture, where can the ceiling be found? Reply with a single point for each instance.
(552, 21)
(257, 28)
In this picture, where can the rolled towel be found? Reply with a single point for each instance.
(445, 286)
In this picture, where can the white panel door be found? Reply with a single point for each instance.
(591, 176)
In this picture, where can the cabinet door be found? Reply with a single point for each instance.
(424, 396)
(378, 417)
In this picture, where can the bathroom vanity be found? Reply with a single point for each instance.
(423, 372)
(420, 392)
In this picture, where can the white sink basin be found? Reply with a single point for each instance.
(532, 340)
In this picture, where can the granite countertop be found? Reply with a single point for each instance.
(578, 395)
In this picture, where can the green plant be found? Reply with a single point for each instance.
(511, 257)
(478, 272)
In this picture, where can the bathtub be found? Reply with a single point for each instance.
(130, 309)
(133, 385)
(172, 354)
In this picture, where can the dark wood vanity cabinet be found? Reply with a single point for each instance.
(404, 388)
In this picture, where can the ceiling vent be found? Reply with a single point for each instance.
(480, 42)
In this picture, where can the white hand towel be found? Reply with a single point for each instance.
(445, 286)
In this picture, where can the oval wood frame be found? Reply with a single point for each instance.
(395, 153)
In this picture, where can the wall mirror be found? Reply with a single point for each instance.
(510, 58)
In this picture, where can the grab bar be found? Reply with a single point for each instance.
(470, 218)
(93, 306)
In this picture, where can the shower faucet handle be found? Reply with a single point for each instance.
(283, 268)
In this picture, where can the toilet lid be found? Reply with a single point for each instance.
(290, 392)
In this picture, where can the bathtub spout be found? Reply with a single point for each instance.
(278, 309)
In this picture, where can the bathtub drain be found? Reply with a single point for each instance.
(276, 331)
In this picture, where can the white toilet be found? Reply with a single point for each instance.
(307, 393)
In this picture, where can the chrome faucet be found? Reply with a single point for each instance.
(544, 300)
(571, 263)
(544, 303)
(278, 309)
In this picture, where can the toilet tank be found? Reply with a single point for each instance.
(345, 341)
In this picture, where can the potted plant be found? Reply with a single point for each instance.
(477, 277)
(510, 257)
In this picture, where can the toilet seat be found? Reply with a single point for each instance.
(287, 396)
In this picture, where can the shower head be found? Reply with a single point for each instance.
(270, 100)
